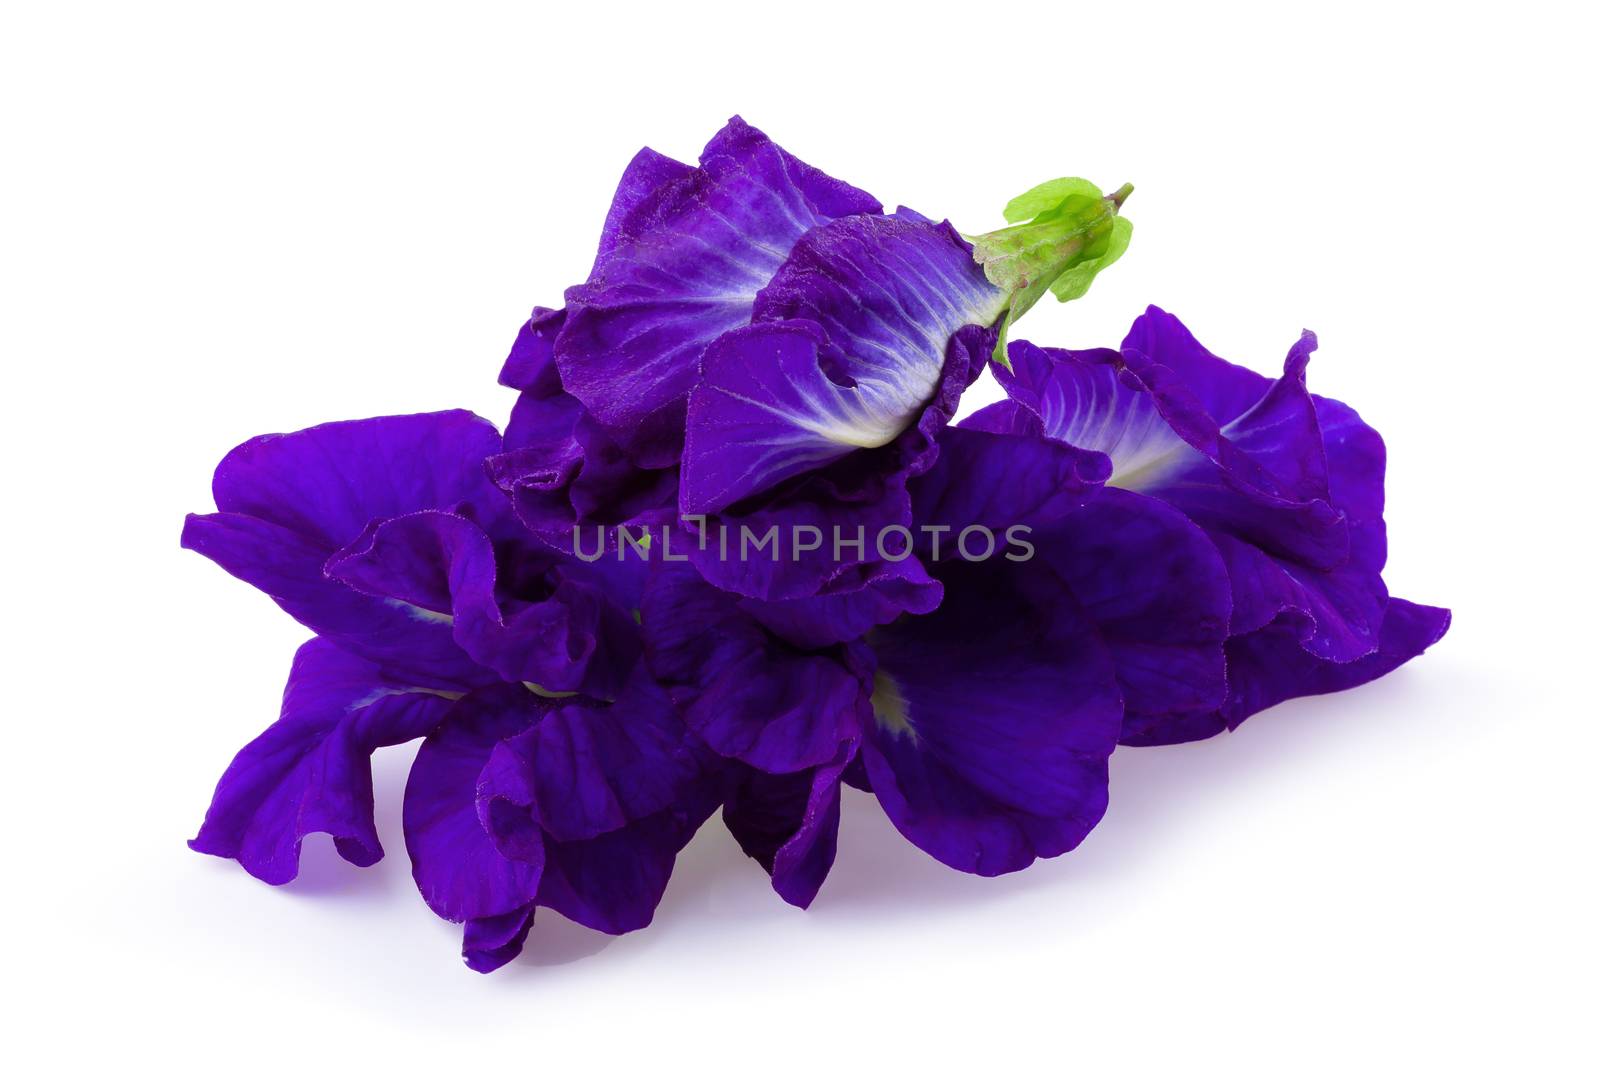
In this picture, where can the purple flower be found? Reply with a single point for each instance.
(1287, 486)
(760, 348)
(1139, 546)
(554, 771)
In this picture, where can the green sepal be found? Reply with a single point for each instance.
(1062, 233)
(1047, 196)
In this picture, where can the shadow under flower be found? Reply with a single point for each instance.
(555, 940)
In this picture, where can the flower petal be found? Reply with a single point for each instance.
(1261, 477)
(328, 482)
(289, 501)
(614, 882)
(789, 823)
(883, 591)
(848, 347)
(587, 768)
(1089, 400)
(491, 942)
(531, 364)
(310, 771)
(1157, 591)
(1223, 390)
(611, 882)
(888, 292)
(1004, 417)
(649, 186)
(997, 481)
(994, 718)
(543, 624)
(746, 694)
(1268, 479)
(1336, 613)
(1356, 460)
(1150, 580)
(560, 468)
(287, 567)
(857, 498)
(460, 873)
(1271, 665)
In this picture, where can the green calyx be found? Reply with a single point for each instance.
(1060, 234)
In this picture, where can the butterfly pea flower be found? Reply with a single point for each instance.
(982, 725)
(437, 617)
(759, 346)
(1287, 486)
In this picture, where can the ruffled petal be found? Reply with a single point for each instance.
(993, 720)
(1356, 459)
(586, 768)
(1267, 476)
(560, 468)
(290, 501)
(493, 941)
(1151, 581)
(542, 624)
(649, 187)
(614, 882)
(1222, 390)
(1334, 612)
(1270, 666)
(1261, 476)
(310, 772)
(789, 823)
(531, 364)
(328, 482)
(458, 870)
(680, 269)
(1295, 547)
(884, 591)
(1281, 433)
(1158, 593)
(486, 786)
(288, 568)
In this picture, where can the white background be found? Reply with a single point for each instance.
(224, 219)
